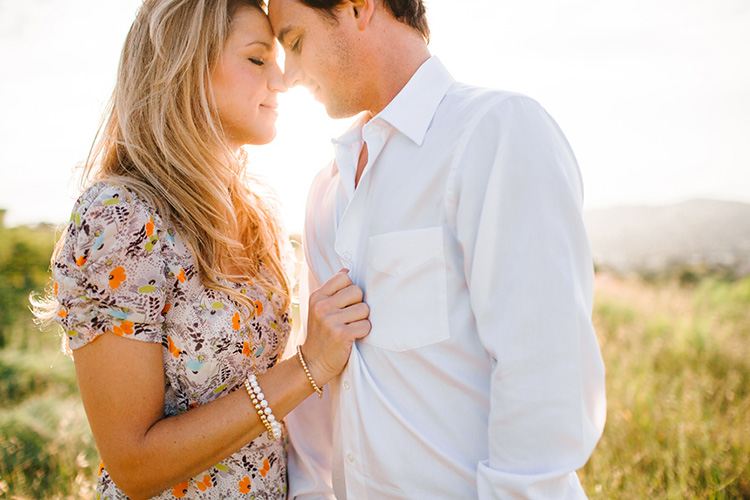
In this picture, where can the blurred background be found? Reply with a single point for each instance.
(653, 96)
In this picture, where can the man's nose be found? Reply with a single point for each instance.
(293, 74)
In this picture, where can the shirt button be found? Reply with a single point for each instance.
(350, 457)
(346, 385)
(347, 256)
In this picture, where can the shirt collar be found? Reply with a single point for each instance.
(345, 144)
(412, 110)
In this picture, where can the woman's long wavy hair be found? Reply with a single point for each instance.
(162, 137)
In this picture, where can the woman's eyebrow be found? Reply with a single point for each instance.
(265, 44)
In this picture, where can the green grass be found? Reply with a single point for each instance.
(25, 373)
(678, 383)
(46, 448)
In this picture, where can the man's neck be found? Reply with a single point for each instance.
(392, 68)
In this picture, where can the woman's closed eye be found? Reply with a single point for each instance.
(257, 61)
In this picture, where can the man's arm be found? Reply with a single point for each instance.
(530, 277)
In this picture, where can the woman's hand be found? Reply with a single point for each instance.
(337, 317)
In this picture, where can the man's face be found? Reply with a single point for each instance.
(320, 55)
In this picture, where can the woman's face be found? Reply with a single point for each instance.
(246, 80)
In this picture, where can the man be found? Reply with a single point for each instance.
(458, 211)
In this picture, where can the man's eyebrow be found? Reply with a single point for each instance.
(283, 33)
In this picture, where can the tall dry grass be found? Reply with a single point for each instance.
(678, 387)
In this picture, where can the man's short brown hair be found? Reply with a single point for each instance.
(410, 12)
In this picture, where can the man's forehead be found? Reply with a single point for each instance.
(290, 15)
(284, 7)
(283, 13)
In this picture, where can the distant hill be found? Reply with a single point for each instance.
(698, 234)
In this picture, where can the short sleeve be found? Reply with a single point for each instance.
(110, 272)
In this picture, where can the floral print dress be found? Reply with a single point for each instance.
(123, 270)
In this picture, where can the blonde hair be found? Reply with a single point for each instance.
(162, 138)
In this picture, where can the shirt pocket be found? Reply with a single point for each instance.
(406, 290)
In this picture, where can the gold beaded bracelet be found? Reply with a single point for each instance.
(307, 372)
(262, 407)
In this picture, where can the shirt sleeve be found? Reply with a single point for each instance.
(530, 278)
(109, 275)
(310, 425)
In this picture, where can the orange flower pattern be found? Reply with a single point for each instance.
(180, 490)
(172, 348)
(116, 277)
(117, 247)
(125, 328)
(205, 483)
(244, 485)
(246, 349)
(266, 467)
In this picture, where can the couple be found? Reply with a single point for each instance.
(448, 345)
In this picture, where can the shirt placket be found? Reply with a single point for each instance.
(353, 457)
(350, 246)
(351, 237)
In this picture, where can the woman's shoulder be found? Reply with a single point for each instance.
(110, 274)
(108, 216)
(115, 202)
(115, 208)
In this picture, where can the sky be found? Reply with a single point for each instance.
(653, 95)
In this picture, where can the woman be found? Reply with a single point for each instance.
(170, 281)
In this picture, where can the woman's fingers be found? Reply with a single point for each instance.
(354, 313)
(340, 308)
(360, 329)
(339, 281)
(348, 296)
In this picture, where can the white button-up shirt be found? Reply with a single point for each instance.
(482, 376)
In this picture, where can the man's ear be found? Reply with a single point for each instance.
(362, 11)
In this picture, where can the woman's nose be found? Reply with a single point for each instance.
(277, 82)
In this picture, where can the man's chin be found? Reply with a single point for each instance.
(338, 112)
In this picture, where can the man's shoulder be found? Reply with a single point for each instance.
(464, 102)
(479, 94)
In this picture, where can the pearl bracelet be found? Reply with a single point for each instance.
(262, 407)
(307, 372)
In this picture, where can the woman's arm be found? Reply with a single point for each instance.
(146, 453)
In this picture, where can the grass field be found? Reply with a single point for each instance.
(678, 388)
(46, 448)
